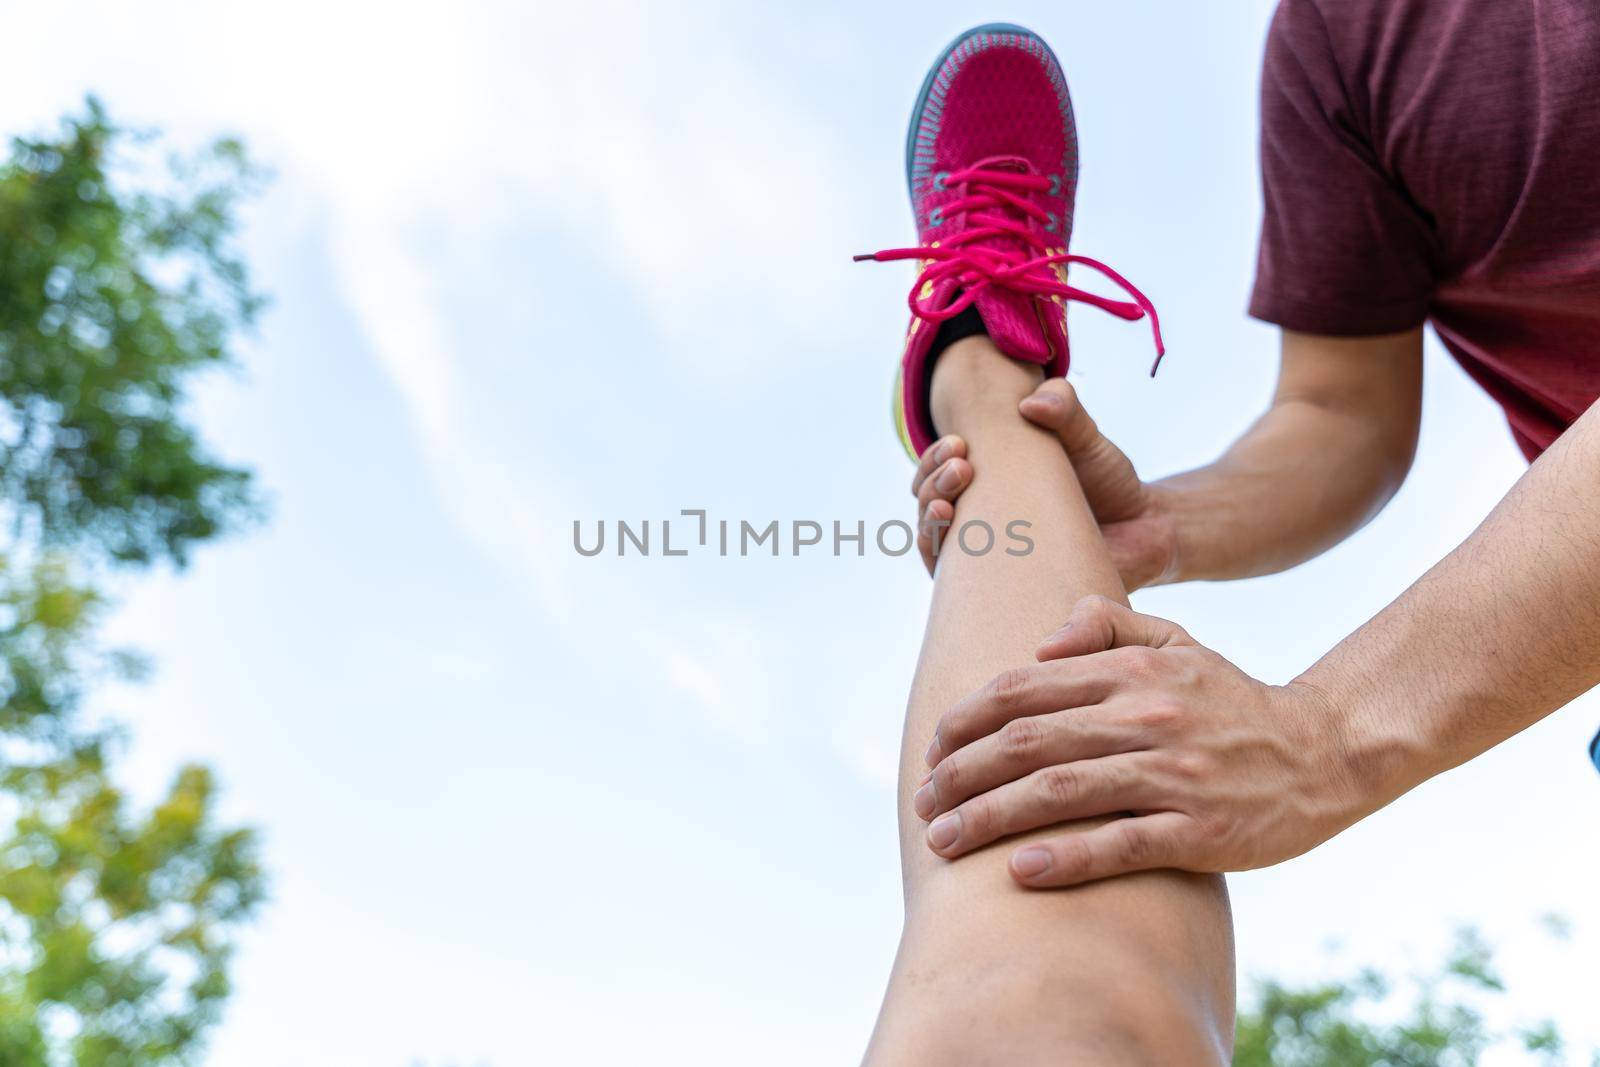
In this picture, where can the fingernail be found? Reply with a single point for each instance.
(941, 450)
(925, 779)
(922, 802)
(944, 830)
(1048, 400)
(1031, 862)
(948, 479)
(1058, 635)
(931, 757)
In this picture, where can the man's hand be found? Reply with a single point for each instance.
(1140, 536)
(1126, 715)
(942, 475)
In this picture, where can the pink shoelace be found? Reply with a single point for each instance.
(998, 204)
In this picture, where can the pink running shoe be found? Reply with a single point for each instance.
(992, 166)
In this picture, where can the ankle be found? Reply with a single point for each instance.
(973, 381)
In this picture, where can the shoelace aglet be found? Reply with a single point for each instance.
(1161, 346)
(864, 257)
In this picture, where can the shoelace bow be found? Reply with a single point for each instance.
(998, 204)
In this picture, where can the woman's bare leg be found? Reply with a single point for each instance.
(1134, 970)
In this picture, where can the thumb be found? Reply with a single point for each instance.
(1099, 624)
(1054, 405)
(1109, 482)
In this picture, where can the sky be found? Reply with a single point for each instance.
(533, 264)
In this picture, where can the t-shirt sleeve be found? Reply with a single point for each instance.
(1343, 250)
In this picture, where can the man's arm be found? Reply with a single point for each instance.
(1503, 631)
(1325, 458)
(1330, 452)
(1500, 633)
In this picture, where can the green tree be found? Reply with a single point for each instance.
(1443, 1021)
(119, 282)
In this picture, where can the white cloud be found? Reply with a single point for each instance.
(466, 119)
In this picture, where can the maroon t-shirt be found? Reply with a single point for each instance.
(1439, 160)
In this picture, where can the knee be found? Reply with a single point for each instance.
(1022, 1018)
(1137, 1020)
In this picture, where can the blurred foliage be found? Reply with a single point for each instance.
(110, 299)
(118, 283)
(1368, 1020)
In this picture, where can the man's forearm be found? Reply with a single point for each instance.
(1302, 479)
(1503, 631)
(1335, 445)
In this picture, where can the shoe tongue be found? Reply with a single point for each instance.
(1012, 322)
(1012, 319)
(1013, 163)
